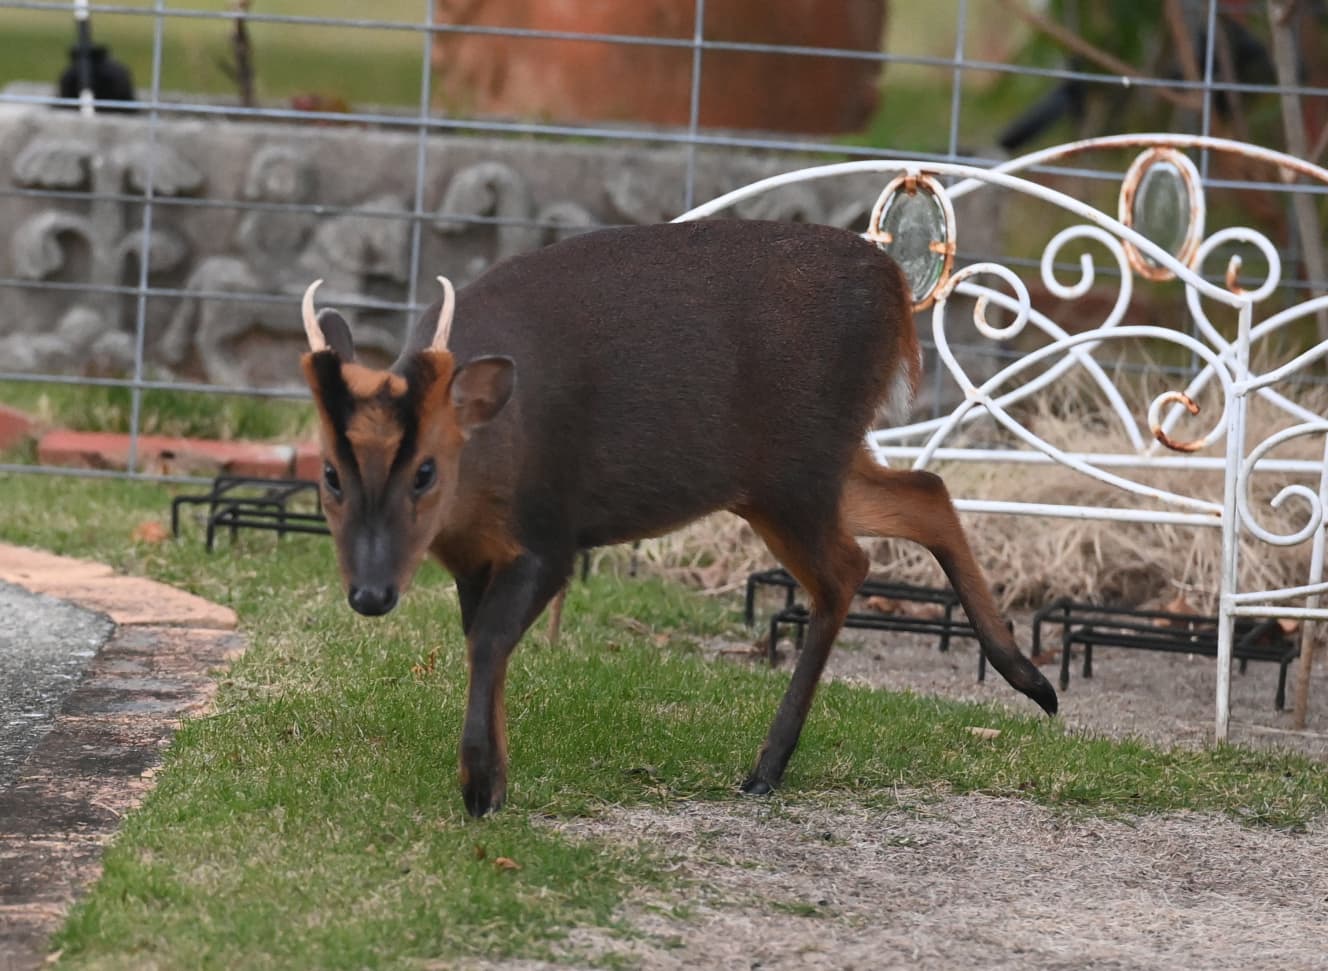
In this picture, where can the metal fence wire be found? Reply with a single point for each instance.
(113, 205)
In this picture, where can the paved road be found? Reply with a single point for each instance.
(44, 644)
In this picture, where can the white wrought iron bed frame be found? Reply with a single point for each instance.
(1225, 361)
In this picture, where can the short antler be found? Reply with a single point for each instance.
(444, 329)
(317, 342)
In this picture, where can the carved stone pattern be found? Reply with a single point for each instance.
(483, 201)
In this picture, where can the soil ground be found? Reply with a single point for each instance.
(969, 882)
(1167, 699)
(975, 881)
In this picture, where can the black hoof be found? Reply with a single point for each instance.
(757, 787)
(1045, 695)
(480, 800)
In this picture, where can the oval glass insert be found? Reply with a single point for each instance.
(914, 228)
(1160, 200)
(1162, 207)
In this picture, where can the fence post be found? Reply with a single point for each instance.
(1231, 518)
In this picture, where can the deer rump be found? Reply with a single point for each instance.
(619, 385)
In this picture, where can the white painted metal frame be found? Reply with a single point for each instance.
(1226, 362)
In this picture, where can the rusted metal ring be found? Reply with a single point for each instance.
(911, 182)
(1175, 444)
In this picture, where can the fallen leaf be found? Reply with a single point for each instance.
(633, 625)
(425, 666)
(926, 611)
(506, 863)
(150, 531)
(746, 650)
(480, 851)
(1180, 606)
(1177, 606)
(882, 605)
(987, 733)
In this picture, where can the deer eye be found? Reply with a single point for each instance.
(425, 476)
(331, 479)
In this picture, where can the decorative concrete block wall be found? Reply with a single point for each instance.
(228, 256)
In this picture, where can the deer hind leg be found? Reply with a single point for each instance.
(830, 565)
(915, 505)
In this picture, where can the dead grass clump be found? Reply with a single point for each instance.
(714, 554)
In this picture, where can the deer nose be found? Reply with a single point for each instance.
(373, 601)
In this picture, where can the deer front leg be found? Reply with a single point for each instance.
(516, 594)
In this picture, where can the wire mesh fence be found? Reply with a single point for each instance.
(232, 151)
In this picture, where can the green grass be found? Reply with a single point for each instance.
(914, 114)
(382, 66)
(314, 819)
(361, 66)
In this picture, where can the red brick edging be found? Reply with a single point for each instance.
(168, 455)
(16, 427)
(159, 454)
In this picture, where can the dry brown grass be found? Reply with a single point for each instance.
(1033, 560)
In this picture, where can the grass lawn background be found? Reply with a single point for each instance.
(314, 819)
(382, 66)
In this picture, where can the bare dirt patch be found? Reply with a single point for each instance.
(968, 881)
(976, 881)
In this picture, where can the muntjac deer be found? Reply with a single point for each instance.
(619, 385)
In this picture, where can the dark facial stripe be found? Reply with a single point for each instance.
(337, 401)
(419, 374)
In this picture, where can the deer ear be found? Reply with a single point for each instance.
(327, 330)
(480, 390)
(337, 334)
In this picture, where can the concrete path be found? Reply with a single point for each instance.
(44, 646)
(95, 672)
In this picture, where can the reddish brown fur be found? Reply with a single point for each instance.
(366, 382)
(916, 506)
(910, 350)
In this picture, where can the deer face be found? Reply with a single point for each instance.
(392, 443)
